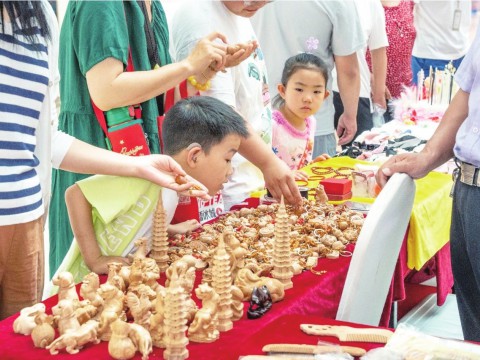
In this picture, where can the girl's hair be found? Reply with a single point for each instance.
(27, 18)
(299, 62)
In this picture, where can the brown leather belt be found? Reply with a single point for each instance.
(469, 174)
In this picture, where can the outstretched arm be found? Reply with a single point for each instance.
(81, 221)
(437, 150)
(159, 169)
(279, 179)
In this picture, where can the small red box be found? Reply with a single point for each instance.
(337, 186)
(335, 197)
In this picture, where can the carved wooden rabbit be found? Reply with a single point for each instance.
(25, 323)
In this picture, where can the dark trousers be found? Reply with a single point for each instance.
(465, 252)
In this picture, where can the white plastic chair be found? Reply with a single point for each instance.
(376, 253)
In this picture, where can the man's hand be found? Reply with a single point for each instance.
(346, 129)
(415, 165)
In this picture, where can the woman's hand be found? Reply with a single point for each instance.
(208, 51)
(166, 172)
(301, 175)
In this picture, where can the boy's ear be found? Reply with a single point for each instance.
(281, 90)
(193, 154)
(327, 94)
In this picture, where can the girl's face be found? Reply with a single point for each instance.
(214, 169)
(304, 92)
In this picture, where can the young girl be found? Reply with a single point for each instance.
(300, 95)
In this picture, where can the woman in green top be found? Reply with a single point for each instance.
(94, 45)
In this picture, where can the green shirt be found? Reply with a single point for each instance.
(91, 32)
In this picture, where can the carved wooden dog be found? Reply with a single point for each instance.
(73, 341)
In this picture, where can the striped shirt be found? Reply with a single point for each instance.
(24, 80)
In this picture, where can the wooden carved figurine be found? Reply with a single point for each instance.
(246, 280)
(175, 321)
(114, 277)
(222, 284)
(237, 303)
(44, 333)
(204, 326)
(320, 195)
(89, 288)
(25, 323)
(160, 236)
(66, 287)
(112, 308)
(157, 321)
(185, 270)
(282, 260)
(73, 341)
(65, 316)
(152, 274)
(141, 305)
(141, 339)
(120, 345)
(142, 248)
(137, 276)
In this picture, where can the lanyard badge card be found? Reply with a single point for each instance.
(457, 17)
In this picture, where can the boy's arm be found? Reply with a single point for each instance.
(81, 221)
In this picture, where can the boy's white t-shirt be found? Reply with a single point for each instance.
(436, 38)
(122, 211)
(372, 19)
(244, 87)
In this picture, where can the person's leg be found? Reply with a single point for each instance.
(416, 67)
(21, 266)
(465, 252)
(325, 144)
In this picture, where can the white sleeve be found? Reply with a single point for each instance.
(61, 142)
(378, 36)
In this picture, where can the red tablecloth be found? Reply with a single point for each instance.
(312, 295)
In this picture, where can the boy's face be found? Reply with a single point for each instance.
(245, 8)
(304, 92)
(214, 169)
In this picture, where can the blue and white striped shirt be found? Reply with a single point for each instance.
(24, 80)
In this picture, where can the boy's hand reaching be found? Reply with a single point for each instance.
(100, 264)
(185, 227)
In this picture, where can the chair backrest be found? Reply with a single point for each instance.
(376, 253)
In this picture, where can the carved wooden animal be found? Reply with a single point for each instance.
(44, 333)
(141, 339)
(120, 345)
(112, 308)
(246, 280)
(156, 321)
(237, 303)
(73, 341)
(89, 287)
(25, 323)
(141, 305)
(204, 326)
(114, 277)
(65, 316)
(142, 248)
(66, 286)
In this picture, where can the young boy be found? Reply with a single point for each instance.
(108, 214)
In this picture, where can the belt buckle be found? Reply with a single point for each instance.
(469, 174)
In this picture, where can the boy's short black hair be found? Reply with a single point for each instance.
(200, 119)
